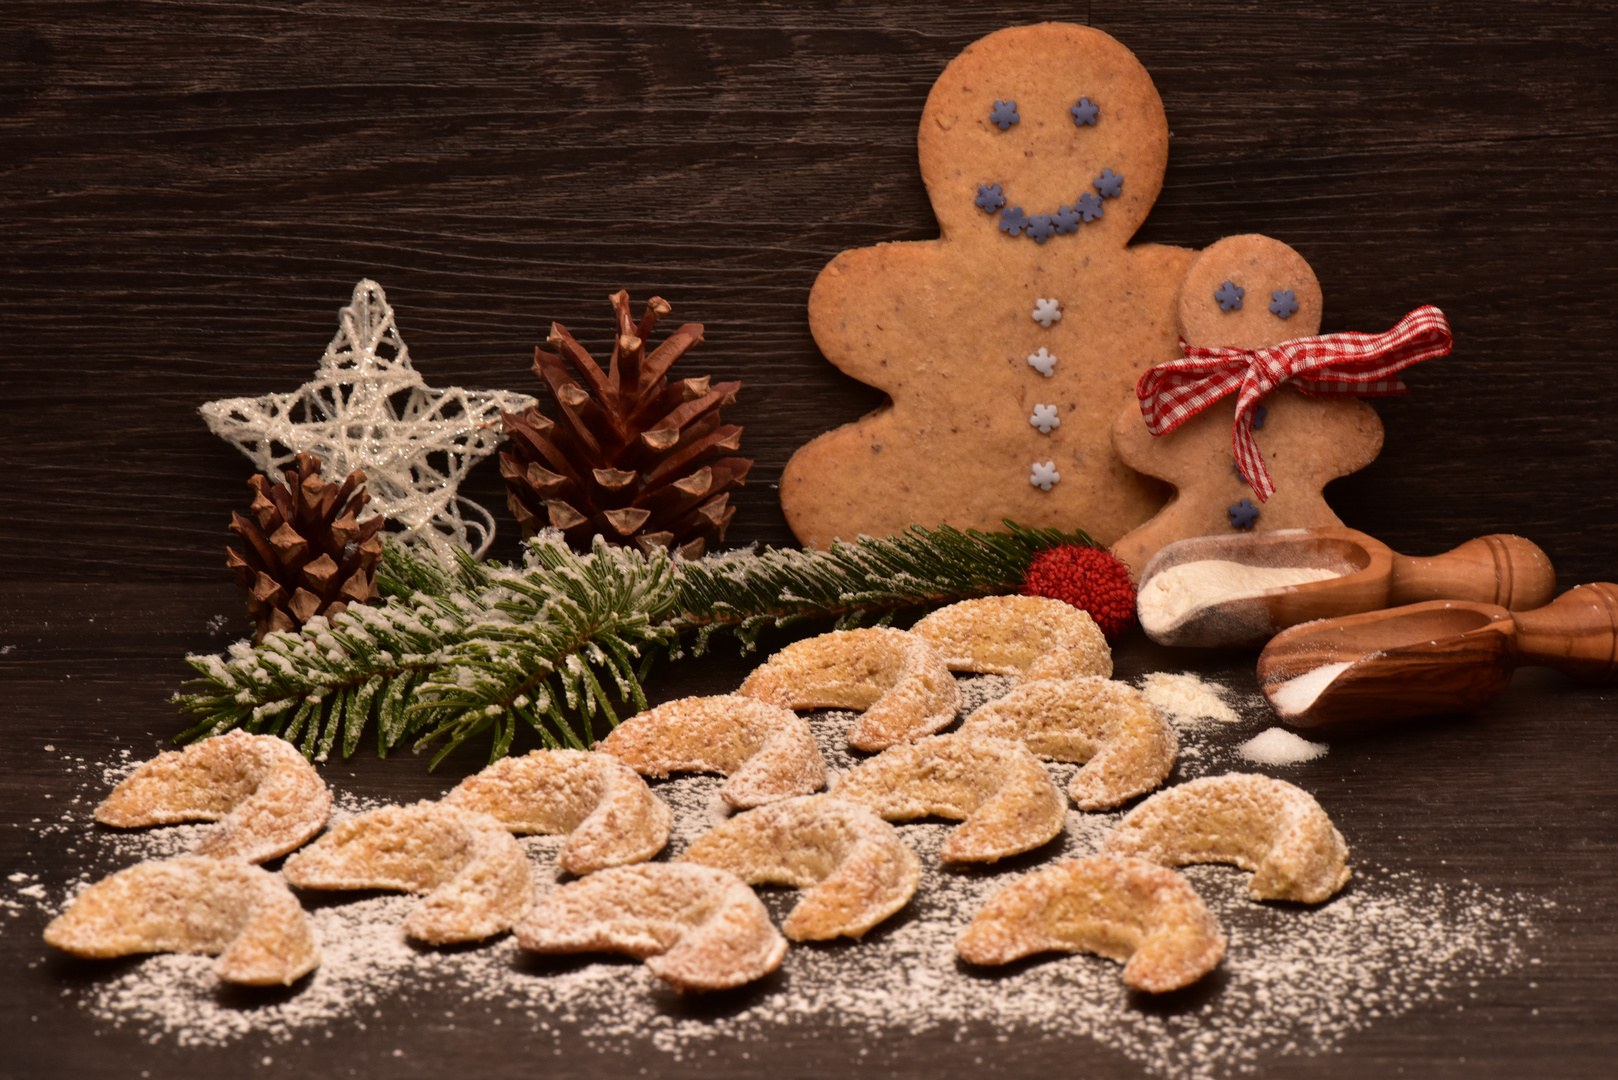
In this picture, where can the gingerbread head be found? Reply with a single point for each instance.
(1246, 292)
(1007, 345)
(1043, 122)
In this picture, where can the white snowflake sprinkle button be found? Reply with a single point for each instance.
(1045, 418)
(1046, 312)
(1043, 476)
(1042, 362)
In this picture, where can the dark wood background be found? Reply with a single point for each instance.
(189, 190)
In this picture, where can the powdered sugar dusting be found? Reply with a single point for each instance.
(1295, 982)
(1185, 699)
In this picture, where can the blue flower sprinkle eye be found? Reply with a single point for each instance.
(1259, 414)
(990, 197)
(1040, 228)
(1013, 221)
(1230, 297)
(1066, 220)
(1004, 114)
(1089, 207)
(1283, 303)
(1085, 112)
(1110, 184)
(1242, 514)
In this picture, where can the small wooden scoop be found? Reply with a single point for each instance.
(1437, 657)
(1500, 569)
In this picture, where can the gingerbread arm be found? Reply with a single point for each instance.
(895, 289)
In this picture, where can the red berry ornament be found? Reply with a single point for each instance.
(1089, 578)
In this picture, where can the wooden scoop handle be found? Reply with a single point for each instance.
(1497, 569)
(1578, 633)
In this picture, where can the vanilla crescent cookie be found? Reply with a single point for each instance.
(267, 799)
(1141, 914)
(1127, 747)
(857, 870)
(895, 676)
(1267, 826)
(767, 752)
(474, 874)
(609, 815)
(240, 913)
(997, 788)
(1005, 635)
(697, 928)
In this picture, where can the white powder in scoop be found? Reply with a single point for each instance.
(1169, 596)
(1278, 746)
(1296, 695)
(1294, 984)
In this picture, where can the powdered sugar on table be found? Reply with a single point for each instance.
(1295, 982)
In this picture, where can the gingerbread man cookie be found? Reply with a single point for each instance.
(1007, 345)
(1246, 292)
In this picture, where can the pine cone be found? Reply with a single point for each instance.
(306, 555)
(633, 457)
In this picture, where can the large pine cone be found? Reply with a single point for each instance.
(632, 457)
(306, 555)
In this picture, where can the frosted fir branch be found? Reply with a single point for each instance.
(329, 676)
(458, 650)
(570, 621)
(869, 580)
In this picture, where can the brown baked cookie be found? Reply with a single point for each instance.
(1145, 916)
(1008, 344)
(267, 799)
(1261, 824)
(1233, 296)
(227, 908)
(696, 927)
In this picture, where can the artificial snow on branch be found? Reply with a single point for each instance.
(466, 648)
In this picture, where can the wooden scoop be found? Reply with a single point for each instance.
(1441, 656)
(1499, 570)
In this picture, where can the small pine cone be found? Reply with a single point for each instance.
(632, 457)
(305, 554)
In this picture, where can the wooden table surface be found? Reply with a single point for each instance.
(189, 190)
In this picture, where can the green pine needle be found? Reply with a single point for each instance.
(456, 652)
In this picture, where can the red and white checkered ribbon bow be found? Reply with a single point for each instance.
(1350, 364)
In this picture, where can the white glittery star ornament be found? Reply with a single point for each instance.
(368, 408)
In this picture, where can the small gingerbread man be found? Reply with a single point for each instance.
(1007, 345)
(1246, 292)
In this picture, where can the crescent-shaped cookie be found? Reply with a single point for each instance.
(697, 928)
(267, 799)
(474, 874)
(1129, 749)
(857, 870)
(999, 791)
(1259, 823)
(240, 913)
(767, 752)
(896, 677)
(1004, 635)
(1144, 915)
(609, 815)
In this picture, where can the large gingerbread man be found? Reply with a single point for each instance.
(1008, 344)
(1246, 292)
